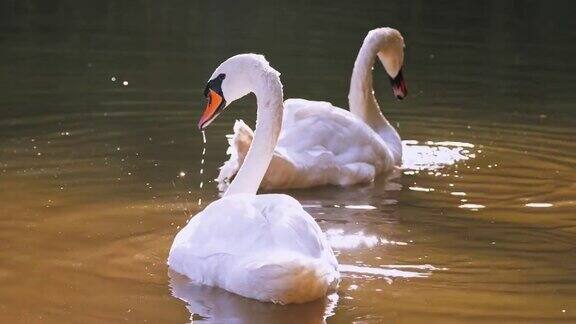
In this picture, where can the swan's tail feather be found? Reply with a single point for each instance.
(288, 280)
(239, 143)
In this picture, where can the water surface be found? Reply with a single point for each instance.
(100, 158)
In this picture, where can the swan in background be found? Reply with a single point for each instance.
(264, 247)
(321, 144)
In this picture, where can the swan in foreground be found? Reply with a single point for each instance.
(321, 144)
(264, 247)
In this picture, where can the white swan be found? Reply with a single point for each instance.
(264, 247)
(322, 144)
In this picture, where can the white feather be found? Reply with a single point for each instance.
(319, 144)
(264, 247)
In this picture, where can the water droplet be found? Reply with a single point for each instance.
(202, 164)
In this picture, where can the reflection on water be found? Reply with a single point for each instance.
(433, 156)
(214, 305)
(414, 188)
(339, 240)
(539, 205)
(387, 273)
(100, 158)
(472, 206)
(365, 207)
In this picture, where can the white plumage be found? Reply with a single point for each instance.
(264, 247)
(321, 144)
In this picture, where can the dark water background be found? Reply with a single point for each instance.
(480, 227)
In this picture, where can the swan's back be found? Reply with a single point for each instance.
(331, 142)
(264, 247)
(319, 144)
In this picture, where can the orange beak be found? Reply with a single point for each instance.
(213, 107)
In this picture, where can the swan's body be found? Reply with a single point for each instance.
(319, 144)
(322, 144)
(264, 247)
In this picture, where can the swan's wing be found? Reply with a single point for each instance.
(329, 145)
(319, 127)
(239, 142)
(264, 247)
(292, 228)
(319, 144)
(245, 224)
(210, 232)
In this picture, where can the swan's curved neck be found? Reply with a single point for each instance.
(267, 87)
(361, 97)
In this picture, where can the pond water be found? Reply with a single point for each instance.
(100, 158)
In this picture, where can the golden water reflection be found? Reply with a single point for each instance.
(214, 305)
(96, 177)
